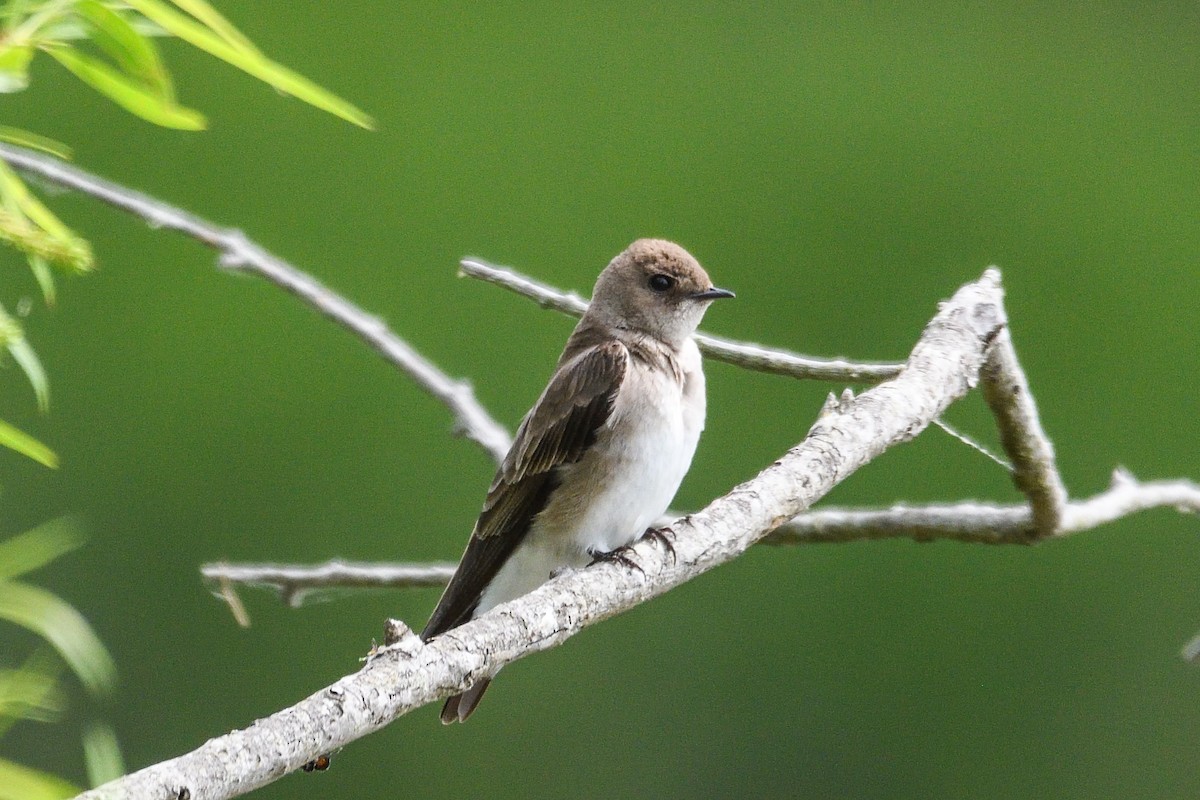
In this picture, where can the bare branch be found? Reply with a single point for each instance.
(240, 254)
(982, 523)
(408, 673)
(1126, 496)
(548, 297)
(292, 581)
(1034, 471)
(741, 354)
(967, 342)
(986, 523)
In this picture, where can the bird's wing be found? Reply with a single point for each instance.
(557, 431)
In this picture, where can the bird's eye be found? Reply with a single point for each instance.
(660, 283)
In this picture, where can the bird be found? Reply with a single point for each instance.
(602, 452)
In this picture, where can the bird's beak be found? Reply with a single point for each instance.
(713, 294)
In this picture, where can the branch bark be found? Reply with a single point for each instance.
(967, 341)
(978, 523)
(1035, 472)
(293, 581)
(240, 254)
(742, 354)
(987, 523)
(406, 673)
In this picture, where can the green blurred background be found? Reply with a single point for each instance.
(843, 167)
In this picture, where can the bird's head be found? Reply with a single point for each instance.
(654, 287)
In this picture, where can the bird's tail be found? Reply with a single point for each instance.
(461, 706)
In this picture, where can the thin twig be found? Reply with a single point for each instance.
(229, 594)
(981, 523)
(986, 523)
(240, 254)
(972, 443)
(967, 342)
(741, 354)
(408, 674)
(292, 581)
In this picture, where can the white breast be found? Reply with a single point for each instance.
(622, 485)
(644, 456)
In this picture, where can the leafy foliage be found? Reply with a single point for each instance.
(128, 68)
(111, 47)
(32, 692)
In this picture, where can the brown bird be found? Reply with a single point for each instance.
(601, 454)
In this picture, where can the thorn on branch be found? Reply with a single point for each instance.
(1122, 477)
(231, 261)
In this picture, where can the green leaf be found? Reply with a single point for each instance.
(43, 276)
(37, 547)
(23, 354)
(14, 12)
(29, 695)
(212, 18)
(102, 754)
(13, 187)
(22, 783)
(14, 68)
(64, 628)
(32, 692)
(35, 141)
(73, 29)
(29, 29)
(125, 93)
(17, 230)
(13, 338)
(136, 54)
(23, 443)
(75, 252)
(282, 78)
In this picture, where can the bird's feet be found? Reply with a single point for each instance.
(661, 537)
(623, 555)
(619, 555)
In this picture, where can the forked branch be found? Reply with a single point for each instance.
(966, 343)
(978, 523)
(407, 673)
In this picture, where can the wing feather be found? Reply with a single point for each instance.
(557, 431)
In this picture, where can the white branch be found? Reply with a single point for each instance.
(982, 523)
(741, 354)
(408, 673)
(986, 523)
(293, 581)
(240, 254)
(1127, 496)
(967, 342)
(1034, 470)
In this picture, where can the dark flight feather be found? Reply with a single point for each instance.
(557, 431)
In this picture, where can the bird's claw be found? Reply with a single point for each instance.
(622, 555)
(619, 555)
(661, 536)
